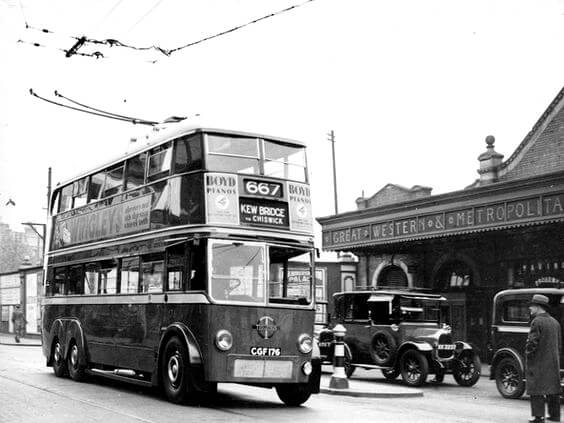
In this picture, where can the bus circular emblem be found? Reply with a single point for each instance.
(266, 326)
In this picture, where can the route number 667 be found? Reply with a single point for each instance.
(266, 189)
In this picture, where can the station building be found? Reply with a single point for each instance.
(505, 230)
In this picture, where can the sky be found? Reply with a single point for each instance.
(410, 88)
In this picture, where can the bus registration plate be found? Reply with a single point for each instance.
(263, 368)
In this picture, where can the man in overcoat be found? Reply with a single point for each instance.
(543, 361)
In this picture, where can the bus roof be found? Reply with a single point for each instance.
(161, 135)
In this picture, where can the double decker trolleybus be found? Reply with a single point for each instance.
(169, 267)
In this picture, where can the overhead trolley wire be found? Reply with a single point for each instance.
(83, 40)
(96, 112)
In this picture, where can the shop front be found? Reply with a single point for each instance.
(23, 288)
(506, 230)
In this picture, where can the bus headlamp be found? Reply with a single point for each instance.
(223, 340)
(305, 343)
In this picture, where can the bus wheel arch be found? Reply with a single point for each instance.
(192, 358)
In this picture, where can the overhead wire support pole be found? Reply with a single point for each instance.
(332, 140)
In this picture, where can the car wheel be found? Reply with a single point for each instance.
(293, 394)
(509, 378)
(349, 368)
(467, 369)
(77, 371)
(414, 368)
(391, 374)
(175, 371)
(59, 363)
(383, 348)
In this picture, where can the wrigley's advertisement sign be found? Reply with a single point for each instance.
(533, 209)
(127, 217)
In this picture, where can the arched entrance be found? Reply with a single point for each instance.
(392, 276)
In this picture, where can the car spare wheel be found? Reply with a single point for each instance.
(383, 348)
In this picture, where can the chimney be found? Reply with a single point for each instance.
(490, 162)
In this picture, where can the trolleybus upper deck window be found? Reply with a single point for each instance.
(233, 154)
(284, 161)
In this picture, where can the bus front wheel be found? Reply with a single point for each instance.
(293, 394)
(174, 371)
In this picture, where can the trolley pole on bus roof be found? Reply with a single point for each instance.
(332, 140)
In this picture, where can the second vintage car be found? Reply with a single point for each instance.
(400, 332)
(510, 328)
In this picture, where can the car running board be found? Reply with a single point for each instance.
(122, 375)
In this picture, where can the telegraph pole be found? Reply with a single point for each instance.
(332, 141)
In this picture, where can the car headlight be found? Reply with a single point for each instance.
(223, 340)
(305, 343)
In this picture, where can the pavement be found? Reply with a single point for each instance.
(26, 341)
(367, 388)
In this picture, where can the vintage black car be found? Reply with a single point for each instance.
(400, 332)
(510, 327)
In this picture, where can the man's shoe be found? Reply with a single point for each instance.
(536, 420)
(553, 419)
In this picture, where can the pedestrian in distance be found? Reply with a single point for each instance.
(18, 319)
(542, 352)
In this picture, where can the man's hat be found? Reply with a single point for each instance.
(539, 299)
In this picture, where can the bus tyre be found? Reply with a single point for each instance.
(414, 368)
(76, 370)
(292, 394)
(59, 363)
(467, 369)
(174, 371)
(509, 379)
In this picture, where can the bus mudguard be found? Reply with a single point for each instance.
(182, 331)
(506, 353)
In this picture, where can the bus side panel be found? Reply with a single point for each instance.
(137, 339)
(99, 326)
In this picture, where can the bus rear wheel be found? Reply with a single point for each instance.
(175, 371)
(76, 370)
(59, 363)
(293, 394)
